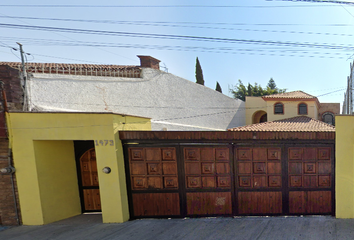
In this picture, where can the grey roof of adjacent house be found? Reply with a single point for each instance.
(172, 103)
(294, 124)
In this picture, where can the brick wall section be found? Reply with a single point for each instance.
(329, 107)
(7, 204)
(3, 133)
(12, 85)
(149, 62)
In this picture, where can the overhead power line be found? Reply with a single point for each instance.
(227, 50)
(318, 1)
(214, 26)
(179, 37)
(55, 42)
(20, 20)
(169, 22)
(150, 6)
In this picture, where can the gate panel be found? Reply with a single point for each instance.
(306, 202)
(259, 180)
(208, 180)
(156, 204)
(310, 180)
(153, 176)
(258, 167)
(259, 203)
(210, 203)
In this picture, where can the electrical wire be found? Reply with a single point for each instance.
(220, 50)
(179, 37)
(317, 1)
(156, 6)
(188, 25)
(75, 40)
(233, 50)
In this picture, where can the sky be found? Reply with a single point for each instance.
(302, 45)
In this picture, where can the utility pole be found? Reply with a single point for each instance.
(350, 90)
(351, 93)
(24, 78)
(347, 100)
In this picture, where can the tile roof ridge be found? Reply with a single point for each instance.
(305, 117)
(288, 95)
(285, 119)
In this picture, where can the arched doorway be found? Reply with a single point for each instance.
(259, 117)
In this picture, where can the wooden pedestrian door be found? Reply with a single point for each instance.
(89, 182)
(230, 180)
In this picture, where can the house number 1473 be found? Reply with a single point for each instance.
(104, 142)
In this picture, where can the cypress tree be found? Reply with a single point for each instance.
(199, 73)
(218, 88)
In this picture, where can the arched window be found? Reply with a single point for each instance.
(278, 108)
(302, 109)
(328, 117)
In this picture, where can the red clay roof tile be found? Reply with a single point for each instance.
(79, 69)
(294, 94)
(69, 65)
(295, 124)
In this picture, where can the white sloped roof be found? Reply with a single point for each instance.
(170, 101)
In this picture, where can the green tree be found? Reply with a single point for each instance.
(250, 90)
(271, 84)
(199, 73)
(218, 88)
(272, 88)
(240, 91)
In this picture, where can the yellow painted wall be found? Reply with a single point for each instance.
(130, 123)
(116, 194)
(31, 132)
(253, 105)
(291, 110)
(315, 110)
(344, 170)
(56, 169)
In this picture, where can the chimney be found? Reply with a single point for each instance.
(149, 62)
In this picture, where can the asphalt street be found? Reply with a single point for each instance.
(91, 227)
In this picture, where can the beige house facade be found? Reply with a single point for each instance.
(287, 105)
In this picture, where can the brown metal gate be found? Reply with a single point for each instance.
(230, 179)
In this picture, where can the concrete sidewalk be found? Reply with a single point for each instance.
(85, 227)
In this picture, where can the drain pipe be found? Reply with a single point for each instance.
(10, 169)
